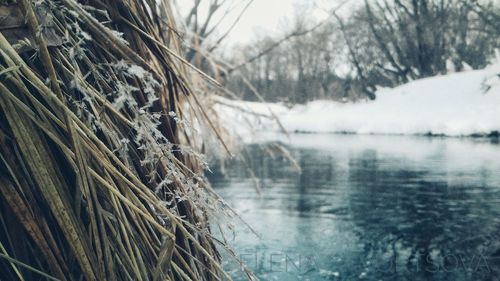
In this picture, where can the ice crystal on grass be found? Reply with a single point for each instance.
(138, 71)
(187, 150)
(155, 148)
(119, 36)
(187, 126)
(124, 95)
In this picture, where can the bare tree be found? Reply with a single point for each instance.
(205, 29)
(410, 39)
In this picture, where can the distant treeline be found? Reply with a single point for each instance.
(382, 43)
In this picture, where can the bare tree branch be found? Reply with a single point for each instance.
(297, 33)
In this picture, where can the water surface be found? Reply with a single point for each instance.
(368, 208)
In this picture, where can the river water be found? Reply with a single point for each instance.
(367, 208)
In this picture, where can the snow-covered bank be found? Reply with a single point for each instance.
(457, 104)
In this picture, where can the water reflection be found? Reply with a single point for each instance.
(371, 208)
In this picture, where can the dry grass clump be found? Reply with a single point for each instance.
(95, 182)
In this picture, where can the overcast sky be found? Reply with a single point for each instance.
(264, 16)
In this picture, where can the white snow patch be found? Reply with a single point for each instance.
(457, 104)
(244, 118)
